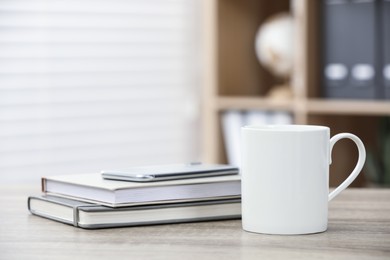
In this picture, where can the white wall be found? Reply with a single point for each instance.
(90, 85)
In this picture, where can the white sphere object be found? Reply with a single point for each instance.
(274, 44)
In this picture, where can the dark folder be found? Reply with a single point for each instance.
(349, 49)
(386, 47)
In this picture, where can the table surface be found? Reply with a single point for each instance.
(359, 228)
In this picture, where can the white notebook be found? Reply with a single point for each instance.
(93, 188)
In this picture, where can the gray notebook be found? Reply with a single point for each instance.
(92, 216)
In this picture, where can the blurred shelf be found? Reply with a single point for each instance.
(235, 79)
(313, 106)
(348, 107)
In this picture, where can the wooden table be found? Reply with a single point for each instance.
(359, 228)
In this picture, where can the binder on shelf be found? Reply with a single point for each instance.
(350, 41)
(259, 117)
(386, 47)
(282, 118)
(233, 120)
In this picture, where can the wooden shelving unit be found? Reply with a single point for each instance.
(235, 79)
(253, 103)
(348, 107)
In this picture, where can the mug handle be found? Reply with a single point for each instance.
(358, 167)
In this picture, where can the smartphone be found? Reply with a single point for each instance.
(169, 172)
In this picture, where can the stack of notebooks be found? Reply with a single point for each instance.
(99, 201)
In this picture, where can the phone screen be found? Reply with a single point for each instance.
(170, 172)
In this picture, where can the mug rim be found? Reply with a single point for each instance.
(286, 128)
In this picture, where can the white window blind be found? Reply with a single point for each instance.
(87, 85)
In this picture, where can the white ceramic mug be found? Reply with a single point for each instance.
(285, 177)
